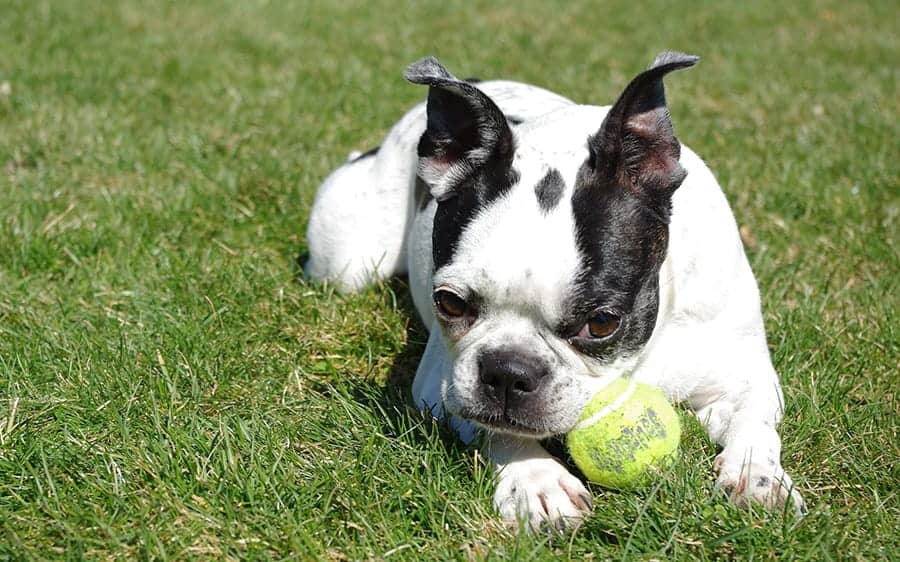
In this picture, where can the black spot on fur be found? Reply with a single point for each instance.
(550, 190)
(763, 481)
(513, 120)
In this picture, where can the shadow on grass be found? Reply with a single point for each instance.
(392, 398)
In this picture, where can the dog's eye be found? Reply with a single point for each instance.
(600, 326)
(449, 304)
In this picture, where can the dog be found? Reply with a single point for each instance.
(552, 248)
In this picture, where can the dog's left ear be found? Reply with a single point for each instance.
(465, 129)
(636, 145)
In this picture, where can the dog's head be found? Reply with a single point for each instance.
(546, 248)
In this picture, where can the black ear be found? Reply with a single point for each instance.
(465, 129)
(636, 144)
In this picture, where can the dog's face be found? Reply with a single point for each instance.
(546, 248)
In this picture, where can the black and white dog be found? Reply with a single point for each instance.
(552, 248)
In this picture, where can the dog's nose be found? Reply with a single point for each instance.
(509, 375)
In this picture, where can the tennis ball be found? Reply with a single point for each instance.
(627, 432)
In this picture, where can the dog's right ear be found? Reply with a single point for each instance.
(465, 129)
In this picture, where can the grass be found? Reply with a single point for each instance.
(169, 387)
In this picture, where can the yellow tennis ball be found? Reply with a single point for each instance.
(627, 432)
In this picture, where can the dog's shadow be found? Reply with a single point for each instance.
(390, 395)
(393, 397)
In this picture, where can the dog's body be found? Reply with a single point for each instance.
(546, 266)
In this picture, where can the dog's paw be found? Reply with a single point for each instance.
(541, 492)
(762, 481)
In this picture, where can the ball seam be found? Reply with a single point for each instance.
(608, 409)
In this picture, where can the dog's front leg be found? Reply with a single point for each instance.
(426, 388)
(742, 416)
(532, 486)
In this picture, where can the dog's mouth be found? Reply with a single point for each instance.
(503, 423)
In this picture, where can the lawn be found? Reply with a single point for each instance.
(171, 388)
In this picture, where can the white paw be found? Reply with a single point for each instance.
(762, 481)
(541, 491)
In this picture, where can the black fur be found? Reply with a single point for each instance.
(550, 190)
(621, 205)
(622, 247)
(636, 146)
(465, 128)
(468, 142)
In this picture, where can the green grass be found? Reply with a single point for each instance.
(169, 387)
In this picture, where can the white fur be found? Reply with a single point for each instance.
(708, 348)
